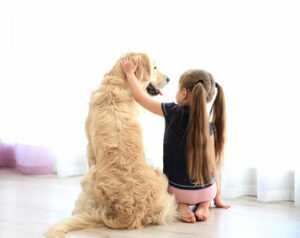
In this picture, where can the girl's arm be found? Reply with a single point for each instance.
(139, 95)
(217, 200)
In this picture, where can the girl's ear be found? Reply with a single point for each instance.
(185, 93)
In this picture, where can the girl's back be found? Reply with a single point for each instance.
(176, 126)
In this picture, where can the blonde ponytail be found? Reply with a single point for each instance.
(199, 166)
(218, 112)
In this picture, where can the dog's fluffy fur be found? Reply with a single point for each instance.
(120, 189)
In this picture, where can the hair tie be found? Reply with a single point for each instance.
(201, 81)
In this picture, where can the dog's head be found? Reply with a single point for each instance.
(148, 75)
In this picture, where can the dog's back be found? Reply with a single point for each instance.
(112, 127)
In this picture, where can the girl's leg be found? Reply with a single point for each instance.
(202, 211)
(202, 197)
(185, 213)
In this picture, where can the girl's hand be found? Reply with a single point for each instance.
(127, 65)
(218, 203)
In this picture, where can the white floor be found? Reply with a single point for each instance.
(28, 204)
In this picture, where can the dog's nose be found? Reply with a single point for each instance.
(167, 79)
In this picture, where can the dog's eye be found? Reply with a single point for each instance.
(155, 67)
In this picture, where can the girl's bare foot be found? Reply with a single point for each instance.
(185, 213)
(202, 211)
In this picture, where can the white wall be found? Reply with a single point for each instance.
(53, 53)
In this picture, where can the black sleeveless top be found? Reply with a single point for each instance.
(174, 150)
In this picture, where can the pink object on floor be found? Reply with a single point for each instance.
(33, 159)
(7, 154)
(193, 197)
(28, 159)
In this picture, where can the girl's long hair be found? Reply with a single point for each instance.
(199, 152)
(218, 112)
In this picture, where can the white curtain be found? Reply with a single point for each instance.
(53, 53)
(266, 185)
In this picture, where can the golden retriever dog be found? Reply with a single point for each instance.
(120, 189)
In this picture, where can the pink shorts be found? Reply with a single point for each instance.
(193, 197)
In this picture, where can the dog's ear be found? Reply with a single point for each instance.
(143, 71)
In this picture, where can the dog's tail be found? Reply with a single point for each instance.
(72, 223)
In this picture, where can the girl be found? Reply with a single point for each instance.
(193, 148)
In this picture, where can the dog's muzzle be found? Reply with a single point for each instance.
(153, 90)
